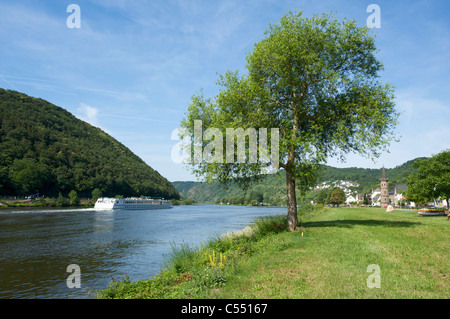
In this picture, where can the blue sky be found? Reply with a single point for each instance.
(132, 66)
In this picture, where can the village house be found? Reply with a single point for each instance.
(381, 196)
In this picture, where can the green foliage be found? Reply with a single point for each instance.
(162, 286)
(257, 196)
(176, 202)
(182, 258)
(369, 178)
(45, 149)
(331, 259)
(62, 201)
(28, 176)
(74, 200)
(431, 180)
(322, 198)
(273, 187)
(337, 196)
(317, 81)
(96, 194)
(270, 225)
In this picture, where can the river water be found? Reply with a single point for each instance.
(37, 246)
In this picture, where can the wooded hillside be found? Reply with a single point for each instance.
(272, 188)
(45, 149)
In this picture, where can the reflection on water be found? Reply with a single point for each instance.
(36, 246)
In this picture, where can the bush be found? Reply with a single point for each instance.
(74, 200)
(50, 202)
(163, 285)
(270, 225)
(210, 277)
(96, 194)
(182, 258)
(62, 201)
(175, 202)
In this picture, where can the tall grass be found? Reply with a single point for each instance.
(190, 272)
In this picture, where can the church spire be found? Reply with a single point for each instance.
(383, 175)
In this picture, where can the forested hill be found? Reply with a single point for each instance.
(368, 178)
(272, 189)
(45, 149)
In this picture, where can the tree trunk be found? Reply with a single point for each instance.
(292, 219)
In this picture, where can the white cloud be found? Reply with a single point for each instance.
(417, 108)
(88, 114)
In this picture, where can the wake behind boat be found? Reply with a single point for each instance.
(132, 203)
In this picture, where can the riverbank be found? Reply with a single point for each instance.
(337, 255)
(57, 203)
(47, 203)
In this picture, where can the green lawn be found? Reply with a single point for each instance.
(330, 260)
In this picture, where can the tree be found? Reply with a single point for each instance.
(337, 196)
(45, 149)
(96, 194)
(74, 200)
(431, 180)
(28, 176)
(62, 201)
(322, 197)
(316, 81)
(257, 196)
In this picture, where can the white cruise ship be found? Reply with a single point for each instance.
(131, 203)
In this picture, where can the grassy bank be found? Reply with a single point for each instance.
(328, 259)
(42, 203)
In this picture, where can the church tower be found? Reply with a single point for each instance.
(384, 201)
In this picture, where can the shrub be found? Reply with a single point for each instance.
(182, 258)
(96, 194)
(175, 202)
(74, 200)
(270, 225)
(62, 201)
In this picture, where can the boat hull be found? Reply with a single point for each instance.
(431, 213)
(131, 204)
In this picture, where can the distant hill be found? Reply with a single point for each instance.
(45, 149)
(369, 178)
(272, 189)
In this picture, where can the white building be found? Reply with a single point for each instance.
(351, 199)
(375, 197)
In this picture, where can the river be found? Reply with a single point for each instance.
(37, 246)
